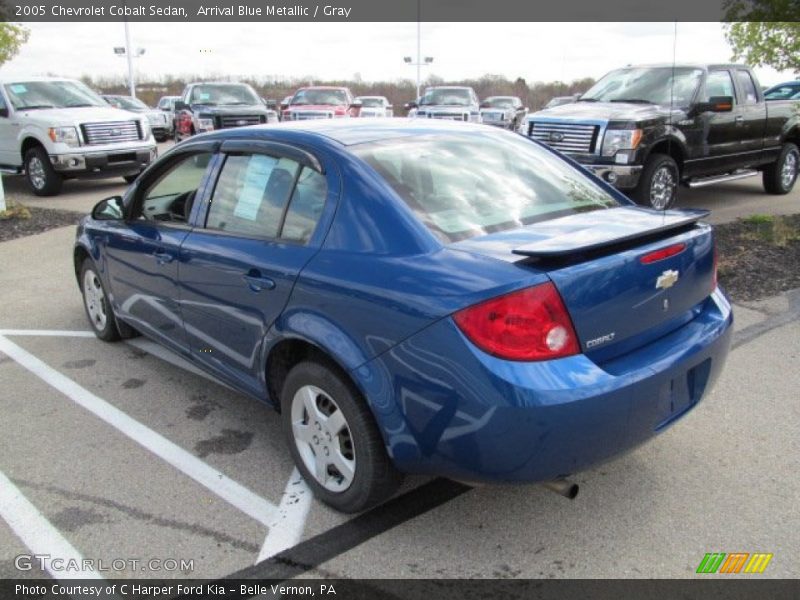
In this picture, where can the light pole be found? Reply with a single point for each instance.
(421, 62)
(126, 52)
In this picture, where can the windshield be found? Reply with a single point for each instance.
(223, 93)
(371, 102)
(327, 97)
(499, 103)
(647, 85)
(446, 97)
(51, 94)
(128, 103)
(464, 186)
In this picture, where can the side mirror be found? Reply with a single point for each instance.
(181, 105)
(715, 104)
(110, 209)
(390, 106)
(410, 105)
(4, 111)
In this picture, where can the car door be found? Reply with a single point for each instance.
(752, 119)
(143, 251)
(239, 268)
(715, 137)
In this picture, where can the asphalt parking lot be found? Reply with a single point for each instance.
(123, 451)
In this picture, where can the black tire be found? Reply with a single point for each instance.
(375, 477)
(778, 177)
(40, 174)
(131, 178)
(653, 191)
(161, 138)
(112, 329)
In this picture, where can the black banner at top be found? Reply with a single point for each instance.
(399, 10)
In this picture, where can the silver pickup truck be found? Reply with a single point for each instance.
(53, 129)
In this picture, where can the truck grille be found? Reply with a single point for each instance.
(305, 115)
(228, 121)
(449, 116)
(111, 133)
(565, 137)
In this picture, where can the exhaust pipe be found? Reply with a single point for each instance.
(562, 487)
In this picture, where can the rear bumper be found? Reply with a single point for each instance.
(446, 408)
(106, 163)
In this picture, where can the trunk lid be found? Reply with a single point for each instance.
(616, 301)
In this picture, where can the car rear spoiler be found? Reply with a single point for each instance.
(586, 232)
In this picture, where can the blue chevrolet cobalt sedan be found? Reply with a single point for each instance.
(414, 297)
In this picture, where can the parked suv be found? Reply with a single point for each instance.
(53, 129)
(503, 111)
(219, 105)
(375, 106)
(647, 129)
(321, 102)
(454, 103)
(159, 123)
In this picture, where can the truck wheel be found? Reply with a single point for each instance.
(42, 177)
(334, 440)
(779, 177)
(131, 178)
(658, 183)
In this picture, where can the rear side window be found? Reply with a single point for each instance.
(251, 195)
(748, 87)
(719, 83)
(305, 207)
(464, 185)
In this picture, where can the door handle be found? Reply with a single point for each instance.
(257, 282)
(163, 257)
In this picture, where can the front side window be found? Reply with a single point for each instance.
(719, 83)
(171, 196)
(461, 186)
(251, 194)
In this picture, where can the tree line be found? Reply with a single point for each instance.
(534, 95)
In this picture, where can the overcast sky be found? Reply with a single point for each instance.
(535, 51)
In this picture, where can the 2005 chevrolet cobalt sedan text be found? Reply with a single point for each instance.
(414, 297)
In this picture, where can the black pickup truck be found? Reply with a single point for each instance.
(646, 129)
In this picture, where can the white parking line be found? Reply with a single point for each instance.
(216, 482)
(39, 535)
(287, 529)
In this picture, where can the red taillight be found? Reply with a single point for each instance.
(662, 253)
(531, 324)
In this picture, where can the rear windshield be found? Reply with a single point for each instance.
(462, 186)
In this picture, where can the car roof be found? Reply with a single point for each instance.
(349, 132)
(499, 97)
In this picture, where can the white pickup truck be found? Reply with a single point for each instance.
(53, 129)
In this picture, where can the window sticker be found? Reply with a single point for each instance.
(18, 88)
(204, 95)
(254, 182)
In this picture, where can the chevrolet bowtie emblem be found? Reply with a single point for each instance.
(667, 279)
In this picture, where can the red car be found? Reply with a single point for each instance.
(321, 102)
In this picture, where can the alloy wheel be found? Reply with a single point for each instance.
(94, 297)
(36, 173)
(323, 439)
(789, 169)
(662, 188)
